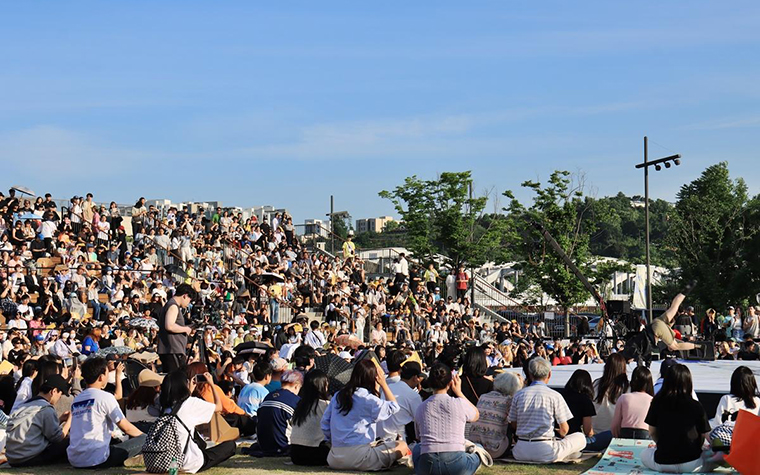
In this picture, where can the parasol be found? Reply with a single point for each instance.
(348, 340)
(255, 347)
(23, 190)
(272, 277)
(337, 369)
(144, 323)
(115, 350)
(29, 216)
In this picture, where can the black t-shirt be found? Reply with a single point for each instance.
(580, 405)
(679, 428)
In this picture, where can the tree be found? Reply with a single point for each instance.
(441, 217)
(559, 208)
(712, 231)
(391, 226)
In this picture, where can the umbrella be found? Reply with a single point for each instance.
(175, 269)
(115, 350)
(255, 347)
(337, 369)
(8, 307)
(348, 340)
(23, 189)
(145, 323)
(272, 277)
(29, 216)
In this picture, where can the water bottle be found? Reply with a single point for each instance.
(174, 467)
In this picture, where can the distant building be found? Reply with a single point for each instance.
(316, 228)
(376, 225)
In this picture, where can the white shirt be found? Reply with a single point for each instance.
(315, 339)
(193, 412)
(409, 400)
(24, 393)
(729, 405)
(95, 414)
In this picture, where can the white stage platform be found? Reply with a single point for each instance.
(710, 377)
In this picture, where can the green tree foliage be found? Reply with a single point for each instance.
(619, 228)
(440, 217)
(712, 229)
(560, 208)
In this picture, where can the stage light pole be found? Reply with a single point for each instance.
(657, 164)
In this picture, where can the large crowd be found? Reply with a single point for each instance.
(168, 337)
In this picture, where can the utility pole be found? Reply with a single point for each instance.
(657, 164)
(332, 226)
(472, 270)
(646, 217)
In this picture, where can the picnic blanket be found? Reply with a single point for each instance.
(623, 456)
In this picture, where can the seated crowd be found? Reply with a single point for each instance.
(299, 353)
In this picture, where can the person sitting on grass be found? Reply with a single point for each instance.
(350, 422)
(176, 395)
(678, 424)
(440, 424)
(743, 396)
(307, 443)
(578, 394)
(492, 429)
(95, 415)
(274, 415)
(534, 412)
(632, 408)
(35, 436)
(253, 394)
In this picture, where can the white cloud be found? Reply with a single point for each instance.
(726, 123)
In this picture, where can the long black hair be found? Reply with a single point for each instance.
(27, 370)
(474, 364)
(46, 366)
(676, 387)
(175, 389)
(315, 388)
(744, 386)
(364, 376)
(614, 380)
(580, 382)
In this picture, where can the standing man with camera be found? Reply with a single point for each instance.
(172, 329)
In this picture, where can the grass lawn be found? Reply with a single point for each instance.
(243, 464)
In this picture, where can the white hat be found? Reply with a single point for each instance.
(345, 355)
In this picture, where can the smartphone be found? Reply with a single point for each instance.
(200, 378)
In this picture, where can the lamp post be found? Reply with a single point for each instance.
(657, 164)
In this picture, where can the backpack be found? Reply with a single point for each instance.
(162, 446)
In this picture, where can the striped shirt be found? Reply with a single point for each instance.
(274, 415)
(535, 409)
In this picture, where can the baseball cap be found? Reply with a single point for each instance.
(54, 381)
(279, 364)
(345, 355)
(412, 369)
(149, 379)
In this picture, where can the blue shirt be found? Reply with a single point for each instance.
(273, 386)
(359, 426)
(250, 397)
(273, 417)
(94, 347)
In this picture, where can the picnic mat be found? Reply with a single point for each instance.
(623, 456)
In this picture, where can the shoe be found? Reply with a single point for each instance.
(135, 461)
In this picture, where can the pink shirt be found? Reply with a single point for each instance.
(630, 412)
(440, 423)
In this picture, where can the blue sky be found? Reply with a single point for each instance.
(284, 103)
